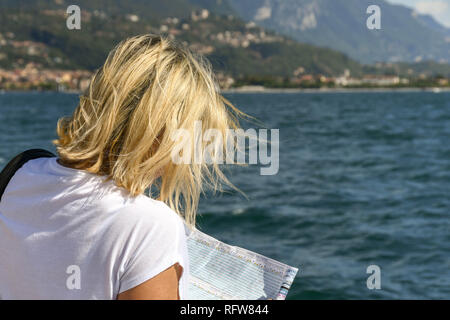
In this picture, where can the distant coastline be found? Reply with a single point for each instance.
(258, 89)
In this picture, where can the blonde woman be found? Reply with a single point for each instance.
(80, 226)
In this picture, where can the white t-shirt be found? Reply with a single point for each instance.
(69, 234)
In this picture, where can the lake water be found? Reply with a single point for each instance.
(364, 179)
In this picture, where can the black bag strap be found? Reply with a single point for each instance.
(17, 162)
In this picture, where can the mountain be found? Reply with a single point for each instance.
(35, 31)
(431, 23)
(341, 25)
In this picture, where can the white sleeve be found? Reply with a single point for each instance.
(157, 242)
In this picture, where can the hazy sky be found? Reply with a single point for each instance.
(439, 9)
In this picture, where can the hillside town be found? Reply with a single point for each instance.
(32, 77)
(39, 68)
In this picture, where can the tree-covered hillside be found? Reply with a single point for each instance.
(37, 33)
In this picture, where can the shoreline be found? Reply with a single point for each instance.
(257, 89)
(333, 90)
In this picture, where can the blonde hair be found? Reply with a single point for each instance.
(147, 89)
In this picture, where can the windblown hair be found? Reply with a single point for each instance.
(147, 89)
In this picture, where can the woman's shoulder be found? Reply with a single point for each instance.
(149, 213)
(107, 197)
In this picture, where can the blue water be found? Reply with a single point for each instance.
(364, 179)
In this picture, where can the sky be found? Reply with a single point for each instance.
(439, 9)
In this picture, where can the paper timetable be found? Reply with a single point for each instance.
(222, 272)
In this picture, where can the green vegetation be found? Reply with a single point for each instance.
(241, 53)
(87, 48)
